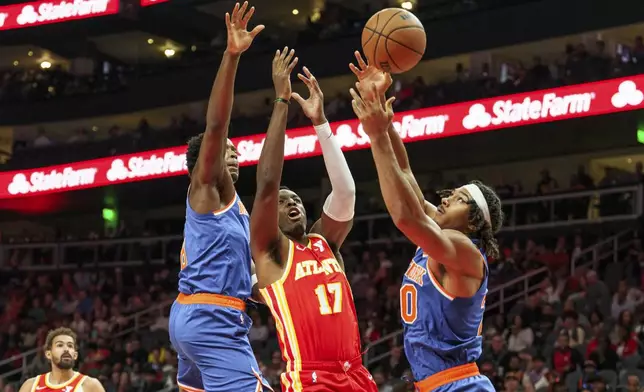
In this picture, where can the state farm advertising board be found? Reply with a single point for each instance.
(55, 11)
(591, 99)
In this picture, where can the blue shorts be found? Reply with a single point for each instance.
(212, 346)
(464, 378)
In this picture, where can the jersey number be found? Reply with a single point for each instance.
(408, 303)
(324, 292)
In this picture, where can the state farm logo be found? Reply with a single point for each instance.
(509, 112)
(3, 18)
(139, 167)
(40, 181)
(51, 11)
(627, 95)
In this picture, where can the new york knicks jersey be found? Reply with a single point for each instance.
(441, 331)
(215, 256)
(313, 307)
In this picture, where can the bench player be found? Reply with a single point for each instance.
(208, 324)
(301, 276)
(60, 350)
(443, 293)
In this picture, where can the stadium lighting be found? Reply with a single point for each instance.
(295, 11)
(193, 48)
(150, 41)
(169, 52)
(640, 136)
(407, 5)
(30, 53)
(15, 63)
(45, 65)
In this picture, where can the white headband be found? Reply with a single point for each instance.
(479, 199)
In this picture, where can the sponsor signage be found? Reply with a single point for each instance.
(53, 11)
(609, 96)
(145, 3)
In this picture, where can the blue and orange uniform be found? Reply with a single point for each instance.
(208, 322)
(442, 333)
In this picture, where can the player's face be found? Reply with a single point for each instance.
(231, 160)
(63, 353)
(454, 211)
(292, 216)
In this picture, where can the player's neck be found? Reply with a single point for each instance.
(60, 376)
(302, 240)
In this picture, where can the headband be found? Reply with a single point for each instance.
(479, 199)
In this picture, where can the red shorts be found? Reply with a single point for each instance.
(348, 376)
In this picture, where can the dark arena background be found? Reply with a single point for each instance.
(97, 100)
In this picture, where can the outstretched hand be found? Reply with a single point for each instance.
(374, 111)
(369, 75)
(283, 64)
(239, 38)
(313, 107)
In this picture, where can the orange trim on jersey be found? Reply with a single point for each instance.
(285, 343)
(289, 328)
(78, 384)
(289, 262)
(187, 388)
(228, 206)
(437, 283)
(447, 376)
(211, 299)
(36, 382)
(63, 385)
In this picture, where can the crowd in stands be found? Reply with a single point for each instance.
(577, 64)
(575, 330)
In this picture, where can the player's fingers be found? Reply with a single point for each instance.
(388, 78)
(248, 15)
(298, 98)
(389, 105)
(354, 69)
(356, 98)
(242, 11)
(234, 17)
(363, 65)
(258, 29)
(227, 18)
(276, 57)
(289, 56)
(304, 80)
(292, 65)
(307, 72)
(312, 78)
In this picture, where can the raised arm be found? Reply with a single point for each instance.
(407, 212)
(211, 166)
(264, 229)
(369, 75)
(338, 209)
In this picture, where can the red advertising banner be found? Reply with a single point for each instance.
(591, 99)
(53, 11)
(145, 3)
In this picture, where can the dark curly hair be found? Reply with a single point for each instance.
(479, 228)
(192, 154)
(54, 333)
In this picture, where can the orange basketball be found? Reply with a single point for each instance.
(394, 40)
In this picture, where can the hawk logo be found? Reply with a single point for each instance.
(319, 246)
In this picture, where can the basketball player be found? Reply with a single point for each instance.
(301, 276)
(60, 350)
(208, 324)
(442, 297)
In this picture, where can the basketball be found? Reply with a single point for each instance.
(394, 40)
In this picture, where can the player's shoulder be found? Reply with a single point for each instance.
(29, 384)
(91, 384)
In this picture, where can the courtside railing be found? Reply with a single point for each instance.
(501, 297)
(138, 321)
(552, 211)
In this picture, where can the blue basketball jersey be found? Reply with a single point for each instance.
(215, 256)
(440, 331)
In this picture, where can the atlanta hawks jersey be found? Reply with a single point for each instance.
(74, 384)
(313, 307)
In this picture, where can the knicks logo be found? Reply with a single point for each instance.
(416, 273)
(242, 208)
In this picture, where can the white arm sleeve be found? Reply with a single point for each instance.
(340, 204)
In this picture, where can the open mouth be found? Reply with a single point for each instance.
(440, 210)
(294, 213)
(67, 356)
